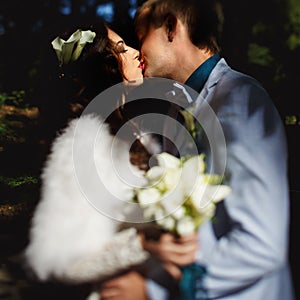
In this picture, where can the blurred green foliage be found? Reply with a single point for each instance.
(293, 41)
(9, 127)
(18, 181)
(14, 98)
(291, 120)
(259, 55)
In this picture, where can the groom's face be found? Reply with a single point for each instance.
(156, 52)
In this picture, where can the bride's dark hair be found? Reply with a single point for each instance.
(66, 89)
(70, 87)
(98, 66)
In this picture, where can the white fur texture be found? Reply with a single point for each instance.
(66, 227)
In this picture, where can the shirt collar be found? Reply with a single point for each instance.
(198, 78)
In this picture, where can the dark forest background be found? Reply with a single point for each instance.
(260, 38)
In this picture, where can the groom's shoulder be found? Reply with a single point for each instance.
(233, 76)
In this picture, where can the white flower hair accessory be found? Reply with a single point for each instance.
(71, 49)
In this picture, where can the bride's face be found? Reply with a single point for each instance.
(131, 66)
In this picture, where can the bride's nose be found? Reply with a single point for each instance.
(135, 53)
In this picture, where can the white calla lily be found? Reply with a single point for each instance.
(193, 172)
(172, 179)
(71, 49)
(191, 184)
(199, 196)
(68, 47)
(220, 192)
(149, 211)
(168, 161)
(148, 196)
(204, 194)
(86, 37)
(172, 200)
(208, 211)
(57, 46)
(179, 213)
(167, 223)
(159, 213)
(186, 226)
(195, 164)
(155, 174)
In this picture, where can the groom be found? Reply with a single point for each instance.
(245, 250)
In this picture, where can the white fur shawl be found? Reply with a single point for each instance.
(73, 235)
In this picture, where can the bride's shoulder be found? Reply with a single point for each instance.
(86, 125)
(80, 131)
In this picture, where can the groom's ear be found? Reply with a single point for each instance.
(171, 22)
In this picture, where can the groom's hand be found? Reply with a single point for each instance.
(131, 286)
(170, 249)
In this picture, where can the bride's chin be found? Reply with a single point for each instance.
(134, 82)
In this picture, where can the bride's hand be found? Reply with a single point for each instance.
(170, 249)
(130, 286)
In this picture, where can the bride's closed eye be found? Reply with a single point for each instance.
(120, 47)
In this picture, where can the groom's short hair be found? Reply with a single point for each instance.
(203, 19)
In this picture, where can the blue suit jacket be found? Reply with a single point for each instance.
(245, 251)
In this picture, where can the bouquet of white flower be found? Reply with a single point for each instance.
(179, 195)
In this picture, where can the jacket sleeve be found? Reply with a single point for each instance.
(156, 291)
(256, 169)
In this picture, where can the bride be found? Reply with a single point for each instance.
(72, 238)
